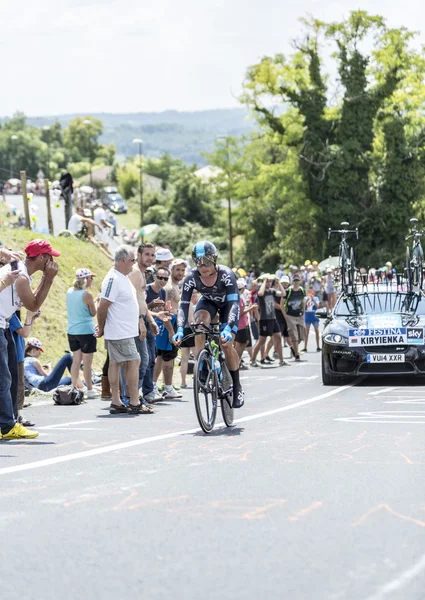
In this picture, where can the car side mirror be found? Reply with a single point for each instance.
(321, 313)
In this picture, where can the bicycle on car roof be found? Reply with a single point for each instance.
(415, 258)
(346, 263)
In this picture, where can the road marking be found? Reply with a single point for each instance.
(401, 581)
(293, 377)
(387, 389)
(167, 436)
(67, 424)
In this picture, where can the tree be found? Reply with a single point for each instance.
(81, 138)
(341, 149)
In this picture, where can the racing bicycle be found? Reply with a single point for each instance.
(212, 381)
(347, 263)
(414, 259)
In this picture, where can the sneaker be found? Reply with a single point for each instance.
(297, 358)
(157, 397)
(254, 363)
(263, 362)
(19, 432)
(268, 359)
(238, 398)
(283, 363)
(304, 350)
(91, 394)
(171, 395)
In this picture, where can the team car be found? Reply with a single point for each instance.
(373, 332)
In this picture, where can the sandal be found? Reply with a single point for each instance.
(25, 423)
(117, 409)
(139, 409)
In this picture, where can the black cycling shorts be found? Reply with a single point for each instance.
(268, 327)
(86, 342)
(214, 309)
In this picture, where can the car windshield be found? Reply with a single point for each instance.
(115, 198)
(376, 303)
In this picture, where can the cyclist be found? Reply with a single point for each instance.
(219, 294)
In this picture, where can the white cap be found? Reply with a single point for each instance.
(163, 254)
(81, 273)
(178, 261)
(241, 283)
(284, 279)
(35, 343)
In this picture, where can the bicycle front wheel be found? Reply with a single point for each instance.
(418, 266)
(226, 399)
(205, 391)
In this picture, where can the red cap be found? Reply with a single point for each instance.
(37, 247)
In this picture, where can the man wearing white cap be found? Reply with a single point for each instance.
(163, 258)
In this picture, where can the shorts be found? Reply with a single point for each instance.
(86, 342)
(283, 327)
(311, 319)
(214, 309)
(243, 336)
(268, 327)
(167, 355)
(190, 342)
(122, 350)
(296, 328)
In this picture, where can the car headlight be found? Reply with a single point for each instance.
(336, 338)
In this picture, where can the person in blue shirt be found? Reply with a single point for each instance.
(21, 331)
(81, 310)
(42, 377)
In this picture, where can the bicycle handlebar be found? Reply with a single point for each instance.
(343, 231)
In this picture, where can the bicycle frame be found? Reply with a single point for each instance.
(343, 254)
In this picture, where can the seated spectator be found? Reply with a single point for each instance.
(81, 310)
(81, 225)
(43, 377)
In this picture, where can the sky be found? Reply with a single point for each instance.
(86, 56)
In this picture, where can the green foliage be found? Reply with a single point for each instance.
(181, 239)
(357, 159)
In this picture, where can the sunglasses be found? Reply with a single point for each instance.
(133, 260)
(162, 278)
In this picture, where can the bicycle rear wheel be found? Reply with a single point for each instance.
(408, 270)
(418, 271)
(343, 263)
(352, 271)
(226, 400)
(205, 391)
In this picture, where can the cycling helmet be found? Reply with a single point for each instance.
(203, 250)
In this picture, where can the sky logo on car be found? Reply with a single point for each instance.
(415, 335)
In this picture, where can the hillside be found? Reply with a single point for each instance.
(50, 327)
(182, 134)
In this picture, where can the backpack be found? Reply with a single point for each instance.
(65, 395)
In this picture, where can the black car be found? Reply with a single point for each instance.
(373, 333)
(116, 203)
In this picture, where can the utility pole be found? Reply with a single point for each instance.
(25, 199)
(49, 208)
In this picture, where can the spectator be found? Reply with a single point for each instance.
(243, 335)
(43, 377)
(20, 332)
(165, 350)
(79, 224)
(293, 310)
(284, 280)
(312, 303)
(81, 310)
(163, 258)
(268, 323)
(118, 320)
(39, 257)
(330, 288)
(145, 341)
(100, 217)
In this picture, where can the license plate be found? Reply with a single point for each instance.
(386, 358)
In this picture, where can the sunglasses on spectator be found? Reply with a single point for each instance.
(162, 278)
(133, 260)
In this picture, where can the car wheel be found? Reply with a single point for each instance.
(327, 377)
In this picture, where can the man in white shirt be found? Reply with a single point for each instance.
(39, 257)
(76, 223)
(100, 217)
(119, 321)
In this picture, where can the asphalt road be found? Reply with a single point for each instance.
(315, 493)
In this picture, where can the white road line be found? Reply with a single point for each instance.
(123, 445)
(67, 424)
(400, 582)
(383, 391)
